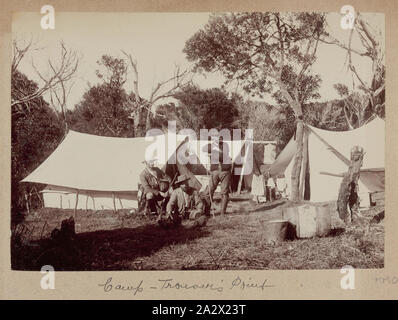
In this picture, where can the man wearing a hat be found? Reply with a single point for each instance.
(156, 185)
(184, 202)
(220, 169)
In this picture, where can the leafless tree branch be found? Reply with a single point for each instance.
(59, 74)
(134, 64)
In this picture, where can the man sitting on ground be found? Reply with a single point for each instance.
(184, 202)
(156, 185)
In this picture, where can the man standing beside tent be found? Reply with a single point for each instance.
(220, 168)
(155, 184)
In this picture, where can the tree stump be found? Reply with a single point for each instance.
(348, 200)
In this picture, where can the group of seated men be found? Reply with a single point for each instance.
(176, 200)
(171, 200)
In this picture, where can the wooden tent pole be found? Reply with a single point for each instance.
(332, 174)
(243, 170)
(76, 202)
(38, 196)
(245, 160)
(114, 202)
(264, 142)
(86, 201)
(27, 202)
(240, 181)
(333, 150)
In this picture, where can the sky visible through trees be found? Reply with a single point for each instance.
(157, 41)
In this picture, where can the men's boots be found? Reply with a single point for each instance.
(151, 207)
(224, 202)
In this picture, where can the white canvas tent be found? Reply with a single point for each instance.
(95, 172)
(195, 148)
(239, 154)
(324, 163)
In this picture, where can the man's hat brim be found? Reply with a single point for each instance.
(150, 160)
(181, 181)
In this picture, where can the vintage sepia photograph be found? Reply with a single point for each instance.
(197, 140)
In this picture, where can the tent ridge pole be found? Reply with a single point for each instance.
(334, 151)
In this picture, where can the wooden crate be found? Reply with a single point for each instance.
(308, 220)
(377, 198)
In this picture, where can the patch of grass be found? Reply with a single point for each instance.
(119, 241)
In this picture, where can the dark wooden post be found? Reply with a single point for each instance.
(114, 202)
(348, 200)
(27, 202)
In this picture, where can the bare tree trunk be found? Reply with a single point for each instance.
(347, 118)
(134, 64)
(64, 118)
(298, 158)
(148, 122)
(304, 163)
(348, 193)
(143, 113)
(140, 121)
(137, 108)
(135, 83)
(298, 111)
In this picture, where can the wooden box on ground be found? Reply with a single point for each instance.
(274, 230)
(377, 198)
(308, 220)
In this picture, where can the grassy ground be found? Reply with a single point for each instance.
(120, 241)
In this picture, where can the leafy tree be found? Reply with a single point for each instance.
(114, 73)
(36, 130)
(105, 108)
(306, 90)
(202, 108)
(326, 115)
(103, 111)
(356, 106)
(256, 49)
(170, 112)
(269, 123)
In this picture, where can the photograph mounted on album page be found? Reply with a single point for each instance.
(217, 150)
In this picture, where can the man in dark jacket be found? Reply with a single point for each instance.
(155, 184)
(220, 169)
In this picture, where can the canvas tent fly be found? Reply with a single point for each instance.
(328, 156)
(95, 172)
(241, 155)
